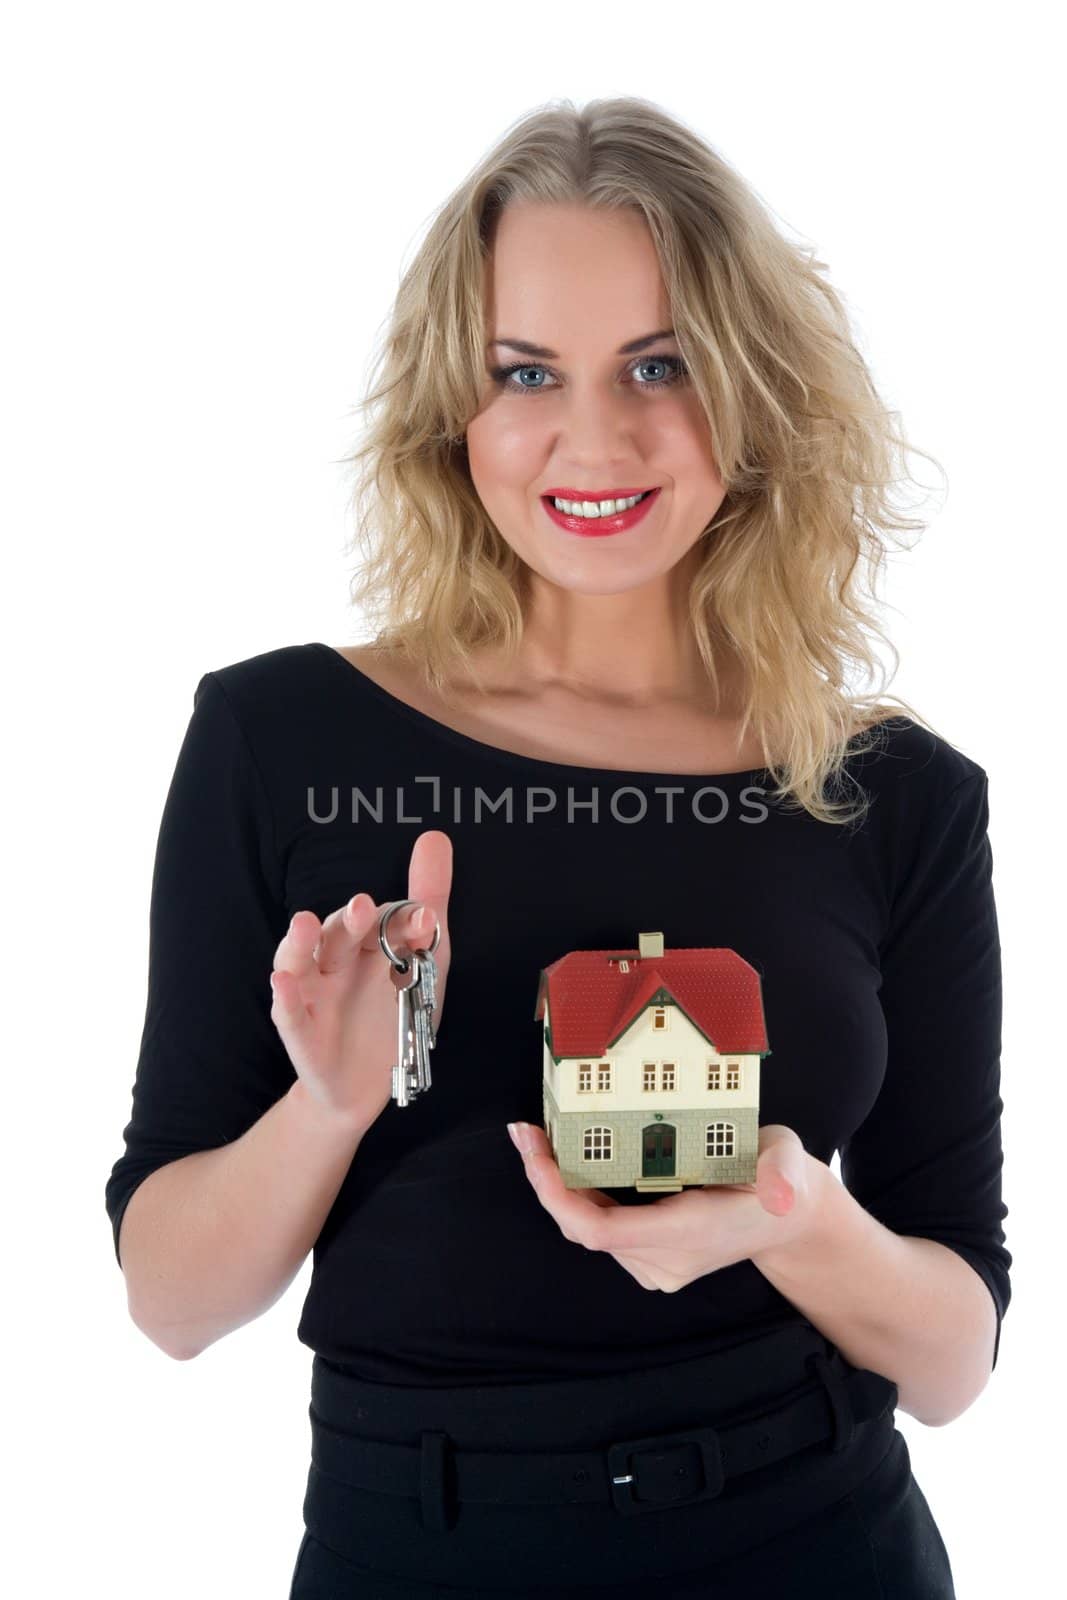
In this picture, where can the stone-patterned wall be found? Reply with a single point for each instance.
(566, 1132)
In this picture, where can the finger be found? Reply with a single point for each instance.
(781, 1168)
(430, 874)
(579, 1217)
(530, 1141)
(774, 1190)
(580, 1213)
(346, 931)
(288, 1011)
(354, 928)
(296, 952)
(407, 930)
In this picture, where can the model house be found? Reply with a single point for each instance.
(652, 1066)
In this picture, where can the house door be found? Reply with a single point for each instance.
(658, 1153)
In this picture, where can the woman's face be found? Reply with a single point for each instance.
(581, 284)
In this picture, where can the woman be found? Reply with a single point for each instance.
(577, 720)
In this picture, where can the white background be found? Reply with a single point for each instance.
(207, 208)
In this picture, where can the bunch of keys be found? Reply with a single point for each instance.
(415, 981)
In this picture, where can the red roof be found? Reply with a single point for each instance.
(592, 1002)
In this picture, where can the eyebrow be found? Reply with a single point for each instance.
(527, 349)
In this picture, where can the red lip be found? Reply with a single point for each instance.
(599, 527)
(599, 494)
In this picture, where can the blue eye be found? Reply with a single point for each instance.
(675, 370)
(502, 376)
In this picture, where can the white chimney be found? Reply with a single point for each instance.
(649, 944)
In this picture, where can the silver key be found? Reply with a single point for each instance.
(424, 993)
(422, 998)
(406, 1070)
(415, 981)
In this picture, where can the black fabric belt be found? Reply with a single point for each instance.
(634, 1475)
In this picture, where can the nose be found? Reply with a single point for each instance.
(599, 427)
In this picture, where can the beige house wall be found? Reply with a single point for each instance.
(627, 1108)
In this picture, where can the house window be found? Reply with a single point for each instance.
(659, 1017)
(603, 1075)
(668, 1076)
(624, 965)
(649, 1076)
(719, 1139)
(596, 1144)
(714, 1076)
(585, 1077)
(733, 1075)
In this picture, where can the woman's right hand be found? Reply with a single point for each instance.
(335, 1006)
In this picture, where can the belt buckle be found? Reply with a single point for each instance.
(623, 1477)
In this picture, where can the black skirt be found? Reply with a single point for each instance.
(698, 1479)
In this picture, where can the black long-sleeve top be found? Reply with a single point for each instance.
(300, 782)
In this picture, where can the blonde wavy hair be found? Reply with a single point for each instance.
(805, 447)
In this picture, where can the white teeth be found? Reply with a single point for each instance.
(593, 508)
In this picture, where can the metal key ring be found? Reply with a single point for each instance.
(387, 912)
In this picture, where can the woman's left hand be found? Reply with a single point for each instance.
(686, 1235)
